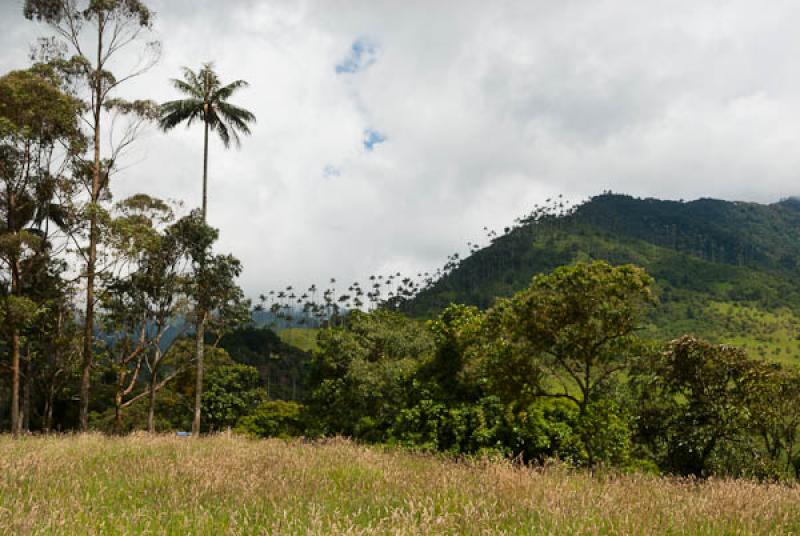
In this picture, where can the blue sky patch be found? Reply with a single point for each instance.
(372, 138)
(331, 171)
(362, 54)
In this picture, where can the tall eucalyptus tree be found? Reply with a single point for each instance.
(95, 32)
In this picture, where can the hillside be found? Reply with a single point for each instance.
(728, 271)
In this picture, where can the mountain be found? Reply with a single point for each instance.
(726, 271)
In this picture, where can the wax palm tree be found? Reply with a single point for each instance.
(207, 101)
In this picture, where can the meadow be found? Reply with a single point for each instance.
(151, 484)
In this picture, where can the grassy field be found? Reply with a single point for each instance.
(770, 335)
(302, 338)
(166, 485)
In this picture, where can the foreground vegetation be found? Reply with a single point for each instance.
(145, 484)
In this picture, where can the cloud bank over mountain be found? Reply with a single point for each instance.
(390, 133)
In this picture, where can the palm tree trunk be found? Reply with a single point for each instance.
(201, 322)
(200, 350)
(205, 172)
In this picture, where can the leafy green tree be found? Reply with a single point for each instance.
(695, 405)
(54, 342)
(572, 332)
(775, 406)
(38, 136)
(363, 371)
(212, 288)
(95, 32)
(141, 296)
(231, 392)
(459, 335)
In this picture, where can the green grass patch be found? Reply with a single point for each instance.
(229, 485)
(303, 338)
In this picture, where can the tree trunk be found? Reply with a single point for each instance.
(205, 172)
(201, 322)
(54, 372)
(151, 410)
(26, 394)
(15, 290)
(200, 350)
(16, 422)
(117, 416)
(88, 332)
(118, 400)
(48, 409)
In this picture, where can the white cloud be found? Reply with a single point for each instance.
(485, 107)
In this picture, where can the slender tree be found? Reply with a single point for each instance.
(95, 32)
(207, 101)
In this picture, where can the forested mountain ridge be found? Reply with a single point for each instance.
(725, 270)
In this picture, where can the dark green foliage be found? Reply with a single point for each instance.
(558, 371)
(231, 391)
(273, 418)
(471, 428)
(533, 376)
(776, 419)
(458, 335)
(283, 368)
(695, 405)
(362, 374)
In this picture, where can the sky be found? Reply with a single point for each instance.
(391, 133)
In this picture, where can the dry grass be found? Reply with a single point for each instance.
(165, 485)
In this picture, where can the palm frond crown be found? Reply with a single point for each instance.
(207, 101)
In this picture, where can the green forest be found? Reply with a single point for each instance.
(638, 335)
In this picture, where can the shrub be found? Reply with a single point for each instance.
(273, 418)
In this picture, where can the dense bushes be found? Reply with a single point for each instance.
(273, 418)
(557, 371)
